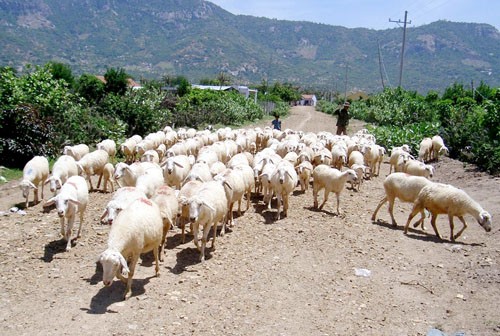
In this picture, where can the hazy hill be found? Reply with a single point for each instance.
(198, 39)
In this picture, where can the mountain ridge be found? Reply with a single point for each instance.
(198, 39)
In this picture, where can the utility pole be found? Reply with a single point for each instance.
(403, 47)
(380, 65)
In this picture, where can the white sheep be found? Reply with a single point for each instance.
(126, 175)
(304, 172)
(93, 164)
(322, 156)
(361, 171)
(417, 168)
(166, 199)
(339, 156)
(438, 147)
(439, 198)
(425, 150)
(356, 157)
(332, 180)
(64, 167)
(199, 171)
(176, 169)
(76, 151)
(248, 179)
(35, 173)
(396, 152)
(121, 199)
(107, 177)
(137, 229)
(187, 190)
(151, 180)
(403, 186)
(283, 182)
(151, 155)
(234, 187)
(264, 180)
(128, 150)
(73, 198)
(207, 207)
(217, 168)
(109, 146)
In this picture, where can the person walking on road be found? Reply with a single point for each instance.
(343, 118)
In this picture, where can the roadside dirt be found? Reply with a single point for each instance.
(295, 276)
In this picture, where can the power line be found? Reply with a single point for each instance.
(405, 22)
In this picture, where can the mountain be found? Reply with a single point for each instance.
(197, 39)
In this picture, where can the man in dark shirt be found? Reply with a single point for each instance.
(343, 119)
(276, 122)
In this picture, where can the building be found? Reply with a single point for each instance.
(243, 90)
(308, 100)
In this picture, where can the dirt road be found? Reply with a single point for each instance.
(295, 276)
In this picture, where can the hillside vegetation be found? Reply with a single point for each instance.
(196, 38)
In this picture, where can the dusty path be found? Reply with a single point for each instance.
(295, 276)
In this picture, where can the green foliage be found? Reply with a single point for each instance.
(90, 87)
(116, 81)
(24, 134)
(61, 71)
(203, 107)
(183, 86)
(284, 92)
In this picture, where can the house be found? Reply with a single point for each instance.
(308, 100)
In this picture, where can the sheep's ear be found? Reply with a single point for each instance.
(74, 201)
(178, 164)
(59, 183)
(125, 270)
(104, 214)
(47, 181)
(199, 179)
(289, 175)
(50, 201)
(32, 185)
(228, 185)
(209, 206)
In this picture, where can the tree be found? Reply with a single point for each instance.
(61, 71)
(183, 86)
(116, 81)
(90, 88)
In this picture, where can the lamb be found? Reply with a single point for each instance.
(151, 180)
(93, 164)
(304, 172)
(248, 179)
(137, 229)
(356, 157)
(403, 186)
(207, 207)
(166, 199)
(400, 163)
(35, 173)
(265, 182)
(187, 190)
(439, 198)
(76, 151)
(339, 156)
(396, 153)
(176, 169)
(371, 155)
(128, 150)
(438, 147)
(73, 198)
(283, 182)
(425, 150)
(107, 175)
(323, 156)
(151, 155)
(64, 167)
(121, 199)
(332, 180)
(417, 168)
(109, 146)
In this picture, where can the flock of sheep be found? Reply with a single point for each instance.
(185, 176)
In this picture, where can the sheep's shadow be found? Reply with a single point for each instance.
(176, 240)
(106, 296)
(55, 247)
(325, 211)
(188, 257)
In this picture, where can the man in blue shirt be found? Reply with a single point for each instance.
(276, 122)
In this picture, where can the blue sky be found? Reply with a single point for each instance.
(373, 14)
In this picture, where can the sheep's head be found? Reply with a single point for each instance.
(351, 175)
(112, 263)
(485, 220)
(26, 186)
(64, 205)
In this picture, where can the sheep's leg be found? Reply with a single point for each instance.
(204, 242)
(183, 230)
(374, 216)
(90, 182)
(157, 257)
(249, 196)
(35, 197)
(214, 228)
(315, 196)
(462, 230)
(166, 227)
(195, 235)
(325, 198)
(69, 228)
(278, 205)
(414, 211)
(285, 204)
(338, 203)
(80, 226)
(61, 221)
(99, 181)
(133, 262)
(433, 223)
